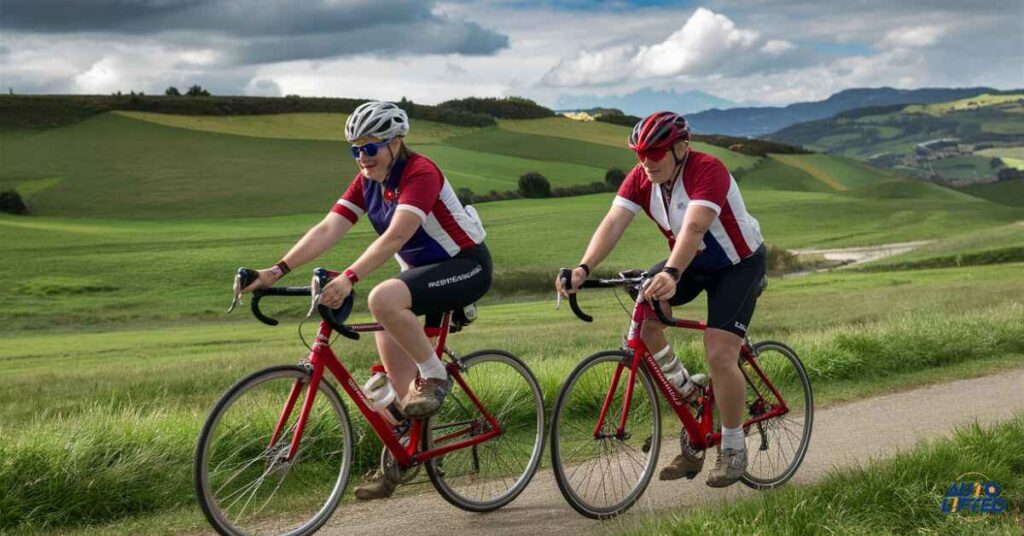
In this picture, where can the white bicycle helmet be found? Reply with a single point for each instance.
(379, 119)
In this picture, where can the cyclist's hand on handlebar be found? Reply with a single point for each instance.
(266, 279)
(335, 292)
(661, 287)
(579, 275)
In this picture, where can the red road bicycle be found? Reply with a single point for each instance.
(275, 454)
(606, 425)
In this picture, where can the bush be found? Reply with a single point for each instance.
(613, 178)
(505, 108)
(579, 189)
(11, 202)
(465, 196)
(197, 91)
(533, 185)
(172, 92)
(625, 120)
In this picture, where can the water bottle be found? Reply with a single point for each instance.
(382, 395)
(677, 374)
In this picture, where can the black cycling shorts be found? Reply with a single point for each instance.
(448, 285)
(732, 291)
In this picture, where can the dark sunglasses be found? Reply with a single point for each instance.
(652, 155)
(370, 148)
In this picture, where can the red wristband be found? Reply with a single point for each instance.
(351, 275)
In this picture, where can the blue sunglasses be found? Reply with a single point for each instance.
(370, 148)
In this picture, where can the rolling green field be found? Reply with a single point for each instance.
(115, 342)
(1004, 192)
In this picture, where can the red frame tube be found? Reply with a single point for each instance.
(701, 434)
(321, 356)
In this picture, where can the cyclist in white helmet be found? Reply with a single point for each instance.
(438, 243)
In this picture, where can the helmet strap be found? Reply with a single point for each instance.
(680, 162)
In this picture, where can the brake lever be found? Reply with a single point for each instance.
(237, 289)
(315, 292)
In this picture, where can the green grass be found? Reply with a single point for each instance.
(131, 401)
(545, 148)
(899, 496)
(106, 265)
(771, 174)
(988, 246)
(838, 172)
(1004, 192)
(610, 135)
(299, 126)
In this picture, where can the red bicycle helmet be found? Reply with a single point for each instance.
(655, 134)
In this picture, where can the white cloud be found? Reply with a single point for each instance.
(702, 44)
(777, 46)
(592, 68)
(706, 45)
(912, 37)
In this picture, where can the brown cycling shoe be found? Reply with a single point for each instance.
(729, 467)
(425, 396)
(377, 486)
(688, 464)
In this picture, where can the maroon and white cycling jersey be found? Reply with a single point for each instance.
(416, 185)
(734, 234)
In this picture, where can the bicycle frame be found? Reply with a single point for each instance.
(701, 434)
(321, 357)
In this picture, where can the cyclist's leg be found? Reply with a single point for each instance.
(400, 365)
(391, 304)
(732, 295)
(433, 289)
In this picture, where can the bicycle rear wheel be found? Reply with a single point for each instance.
(491, 474)
(245, 483)
(776, 447)
(604, 476)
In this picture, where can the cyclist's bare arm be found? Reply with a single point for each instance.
(403, 225)
(314, 243)
(601, 244)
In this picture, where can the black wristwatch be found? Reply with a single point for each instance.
(674, 272)
(585, 268)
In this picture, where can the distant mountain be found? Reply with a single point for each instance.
(646, 101)
(754, 122)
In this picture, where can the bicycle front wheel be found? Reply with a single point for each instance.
(245, 482)
(600, 472)
(488, 475)
(776, 446)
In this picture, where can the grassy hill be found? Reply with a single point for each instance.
(991, 124)
(129, 164)
(1003, 192)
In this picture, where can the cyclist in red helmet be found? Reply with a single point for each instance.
(716, 247)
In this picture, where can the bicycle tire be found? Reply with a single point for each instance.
(218, 429)
(788, 435)
(591, 402)
(499, 380)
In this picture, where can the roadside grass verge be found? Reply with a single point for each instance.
(116, 439)
(899, 496)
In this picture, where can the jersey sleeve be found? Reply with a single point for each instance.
(352, 203)
(712, 185)
(420, 189)
(628, 196)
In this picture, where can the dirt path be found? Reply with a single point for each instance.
(843, 436)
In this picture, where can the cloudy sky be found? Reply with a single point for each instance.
(766, 51)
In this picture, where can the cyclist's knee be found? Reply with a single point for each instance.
(388, 297)
(722, 347)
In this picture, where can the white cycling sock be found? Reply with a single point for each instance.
(432, 368)
(732, 438)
